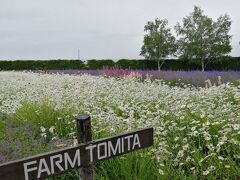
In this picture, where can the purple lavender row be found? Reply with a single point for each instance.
(196, 78)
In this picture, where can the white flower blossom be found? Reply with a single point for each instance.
(42, 129)
(51, 129)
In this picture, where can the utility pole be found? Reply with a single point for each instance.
(78, 54)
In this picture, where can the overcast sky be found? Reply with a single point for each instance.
(52, 29)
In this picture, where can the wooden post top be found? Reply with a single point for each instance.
(83, 117)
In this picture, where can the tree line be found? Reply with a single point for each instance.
(198, 37)
(223, 63)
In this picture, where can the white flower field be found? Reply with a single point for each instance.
(196, 130)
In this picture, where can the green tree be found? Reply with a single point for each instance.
(158, 43)
(202, 38)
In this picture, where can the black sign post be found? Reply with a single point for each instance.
(82, 156)
(84, 135)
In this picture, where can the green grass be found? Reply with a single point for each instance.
(136, 165)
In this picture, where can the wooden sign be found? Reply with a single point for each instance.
(83, 155)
